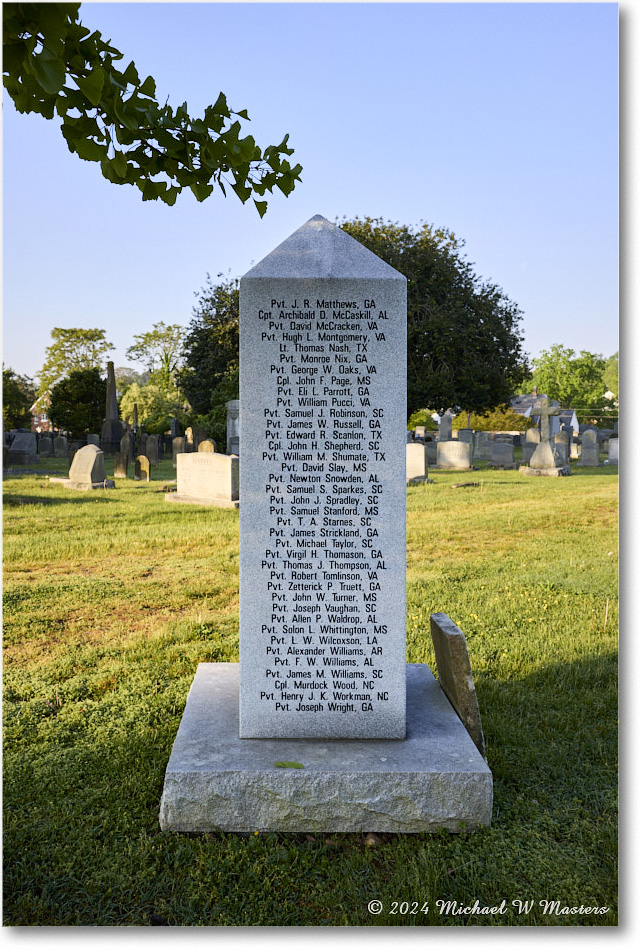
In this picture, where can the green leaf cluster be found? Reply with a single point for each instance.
(575, 381)
(53, 65)
(72, 348)
(78, 402)
(464, 339)
(156, 405)
(209, 377)
(160, 349)
(497, 420)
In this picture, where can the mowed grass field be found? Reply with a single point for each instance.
(112, 598)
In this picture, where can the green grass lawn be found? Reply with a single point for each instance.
(112, 598)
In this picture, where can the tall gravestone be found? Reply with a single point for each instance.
(322, 578)
(112, 428)
(322, 513)
(547, 459)
(232, 430)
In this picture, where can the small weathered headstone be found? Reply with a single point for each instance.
(190, 444)
(454, 454)
(127, 444)
(590, 455)
(206, 478)
(142, 469)
(23, 449)
(151, 449)
(60, 447)
(93, 439)
(561, 445)
(614, 452)
(87, 470)
(446, 427)
(503, 455)
(420, 432)
(120, 465)
(179, 446)
(465, 435)
(532, 435)
(456, 675)
(45, 447)
(416, 462)
(207, 445)
(72, 448)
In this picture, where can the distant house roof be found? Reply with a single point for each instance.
(523, 406)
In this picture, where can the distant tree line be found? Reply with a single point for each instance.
(465, 351)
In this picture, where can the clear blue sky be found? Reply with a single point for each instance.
(498, 121)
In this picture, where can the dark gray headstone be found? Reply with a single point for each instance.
(151, 449)
(60, 447)
(23, 449)
(120, 465)
(45, 446)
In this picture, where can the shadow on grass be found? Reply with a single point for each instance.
(13, 500)
(83, 844)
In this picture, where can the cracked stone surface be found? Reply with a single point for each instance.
(434, 778)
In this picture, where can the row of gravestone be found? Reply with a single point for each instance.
(501, 453)
(421, 434)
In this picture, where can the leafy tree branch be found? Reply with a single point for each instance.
(53, 64)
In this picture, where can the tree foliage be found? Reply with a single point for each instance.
(577, 382)
(18, 395)
(611, 375)
(125, 376)
(160, 350)
(54, 65)
(156, 405)
(464, 342)
(72, 349)
(78, 402)
(211, 348)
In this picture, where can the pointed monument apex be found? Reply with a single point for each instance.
(320, 249)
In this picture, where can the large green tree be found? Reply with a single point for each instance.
(53, 64)
(78, 402)
(155, 404)
(464, 340)
(575, 380)
(160, 350)
(72, 349)
(211, 348)
(18, 395)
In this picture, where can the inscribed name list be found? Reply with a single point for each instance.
(322, 469)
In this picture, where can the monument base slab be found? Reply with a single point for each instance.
(212, 502)
(433, 779)
(551, 472)
(83, 486)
